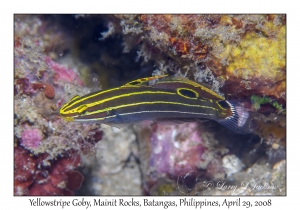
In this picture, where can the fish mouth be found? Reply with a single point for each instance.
(69, 119)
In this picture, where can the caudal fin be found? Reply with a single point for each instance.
(240, 121)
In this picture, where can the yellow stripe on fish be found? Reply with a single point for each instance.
(169, 98)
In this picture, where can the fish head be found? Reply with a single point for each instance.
(80, 109)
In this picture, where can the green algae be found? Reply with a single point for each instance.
(257, 101)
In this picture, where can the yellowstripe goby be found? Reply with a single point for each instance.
(169, 98)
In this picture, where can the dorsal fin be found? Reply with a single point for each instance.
(143, 81)
(175, 81)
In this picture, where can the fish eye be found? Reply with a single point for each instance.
(223, 104)
(188, 93)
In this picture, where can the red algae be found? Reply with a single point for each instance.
(33, 177)
(31, 138)
(63, 73)
(48, 89)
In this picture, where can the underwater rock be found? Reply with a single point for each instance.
(240, 56)
(116, 168)
(47, 149)
(244, 52)
(31, 138)
(32, 176)
(256, 180)
(176, 150)
(232, 164)
(237, 56)
(178, 153)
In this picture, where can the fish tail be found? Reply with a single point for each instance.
(240, 120)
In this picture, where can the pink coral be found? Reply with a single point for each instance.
(31, 137)
(176, 149)
(63, 73)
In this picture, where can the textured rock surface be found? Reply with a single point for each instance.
(58, 57)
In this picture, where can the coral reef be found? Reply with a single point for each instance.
(241, 57)
(257, 180)
(177, 150)
(32, 177)
(116, 171)
(47, 149)
(217, 159)
(244, 52)
(172, 153)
